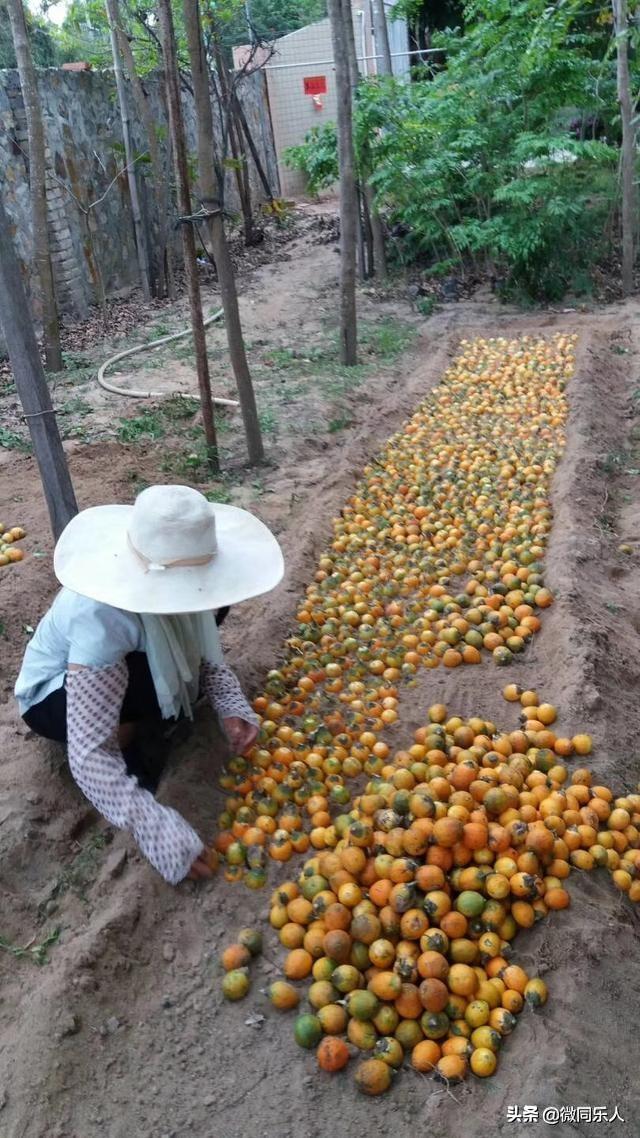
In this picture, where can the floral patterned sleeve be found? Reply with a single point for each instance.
(94, 700)
(222, 688)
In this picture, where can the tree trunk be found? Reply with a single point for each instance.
(160, 187)
(143, 270)
(365, 267)
(37, 184)
(621, 28)
(32, 387)
(377, 262)
(377, 233)
(242, 176)
(242, 119)
(211, 182)
(367, 230)
(384, 64)
(176, 125)
(227, 108)
(339, 13)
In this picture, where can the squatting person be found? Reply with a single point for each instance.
(132, 637)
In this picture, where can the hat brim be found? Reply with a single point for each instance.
(93, 558)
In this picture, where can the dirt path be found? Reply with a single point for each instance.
(124, 1031)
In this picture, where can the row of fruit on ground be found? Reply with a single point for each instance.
(402, 920)
(403, 930)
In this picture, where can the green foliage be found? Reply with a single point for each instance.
(386, 339)
(45, 46)
(84, 33)
(476, 163)
(269, 19)
(142, 427)
(339, 424)
(316, 157)
(11, 440)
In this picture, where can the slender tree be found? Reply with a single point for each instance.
(161, 271)
(211, 186)
(242, 120)
(628, 153)
(230, 126)
(31, 385)
(381, 33)
(143, 264)
(339, 13)
(176, 124)
(371, 252)
(37, 184)
(384, 66)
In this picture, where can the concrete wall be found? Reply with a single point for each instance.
(84, 138)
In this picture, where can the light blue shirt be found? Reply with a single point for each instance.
(75, 630)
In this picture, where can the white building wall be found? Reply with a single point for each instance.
(301, 80)
(301, 60)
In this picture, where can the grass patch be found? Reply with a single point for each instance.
(146, 426)
(339, 424)
(11, 440)
(383, 340)
(75, 406)
(192, 464)
(82, 871)
(386, 339)
(614, 462)
(268, 421)
(426, 305)
(219, 492)
(177, 408)
(37, 952)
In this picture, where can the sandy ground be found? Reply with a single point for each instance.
(124, 1031)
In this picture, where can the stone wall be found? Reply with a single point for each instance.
(84, 155)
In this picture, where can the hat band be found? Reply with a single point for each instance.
(176, 563)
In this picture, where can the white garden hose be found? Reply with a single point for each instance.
(137, 394)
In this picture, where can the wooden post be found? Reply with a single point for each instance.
(176, 125)
(32, 387)
(37, 184)
(628, 156)
(339, 13)
(211, 185)
(112, 17)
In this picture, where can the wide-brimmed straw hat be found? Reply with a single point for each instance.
(171, 552)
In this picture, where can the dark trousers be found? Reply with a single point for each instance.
(49, 719)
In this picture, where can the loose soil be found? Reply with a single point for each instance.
(124, 1031)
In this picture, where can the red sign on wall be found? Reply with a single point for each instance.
(315, 85)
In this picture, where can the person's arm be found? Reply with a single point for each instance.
(94, 700)
(222, 688)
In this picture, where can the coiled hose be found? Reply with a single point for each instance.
(138, 394)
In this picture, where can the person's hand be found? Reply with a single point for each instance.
(200, 869)
(241, 735)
